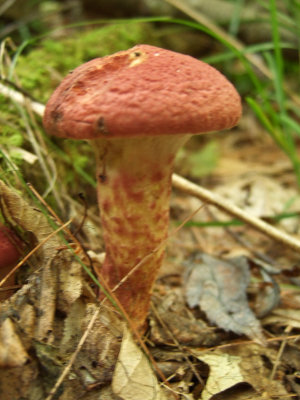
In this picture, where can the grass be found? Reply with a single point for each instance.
(275, 107)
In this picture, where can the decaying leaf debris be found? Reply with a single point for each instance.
(56, 341)
(43, 323)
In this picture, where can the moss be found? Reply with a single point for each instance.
(11, 125)
(11, 137)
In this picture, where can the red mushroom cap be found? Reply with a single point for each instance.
(9, 254)
(142, 91)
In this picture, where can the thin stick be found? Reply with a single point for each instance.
(282, 347)
(225, 205)
(126, 317)
(21, 99)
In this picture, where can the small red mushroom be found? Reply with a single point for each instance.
(9, 255)
(138, 107)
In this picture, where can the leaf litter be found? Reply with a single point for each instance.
(43, 322)
(233, 372)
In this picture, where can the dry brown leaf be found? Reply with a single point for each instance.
(30, 219)
(134, 378)
(234, 367)
(225, 372)
(21, 213)
(12, 352)
(98, 355)
(172, 320)
(70, 282)
(47, 304)
(284, 317)
(263, 197)
(73, 323)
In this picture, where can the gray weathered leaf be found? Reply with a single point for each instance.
(219, 288)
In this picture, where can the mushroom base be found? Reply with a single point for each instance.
(134, 185)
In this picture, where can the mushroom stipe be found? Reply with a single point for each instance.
(138, 107)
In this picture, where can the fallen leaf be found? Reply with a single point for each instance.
(12, 351)
(224, 373)
(173, 313)
(219, 288)
(134, 378)
(70, 281)
(47, 304)
(237, 369)
(284, 317)
(263, 197)
(30, 219)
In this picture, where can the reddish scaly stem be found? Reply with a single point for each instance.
(134, 184)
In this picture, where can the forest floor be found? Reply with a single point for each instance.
(238, 341)
(225, 314)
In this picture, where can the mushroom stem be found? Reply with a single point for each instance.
(134, 185)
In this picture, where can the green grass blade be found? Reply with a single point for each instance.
(278, 66)
(261, 115)
(292, 124)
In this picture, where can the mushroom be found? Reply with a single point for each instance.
(9, 255)
(138, 107)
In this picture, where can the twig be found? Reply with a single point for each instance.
(10, 84)
(35, 138)
(127, 319)
(279, 354)
(21, 99)
(195, 352)
(225, 205)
